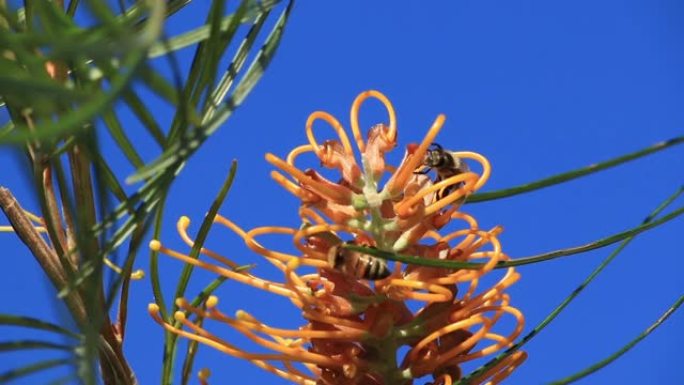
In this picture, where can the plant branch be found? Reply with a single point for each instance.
(46, 257)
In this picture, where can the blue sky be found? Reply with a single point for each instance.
(538, 87)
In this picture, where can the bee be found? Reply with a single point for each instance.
(445, 164)
(356, 264)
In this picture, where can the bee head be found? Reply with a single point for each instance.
(433, 158)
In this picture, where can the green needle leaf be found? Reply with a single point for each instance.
(413, 260)
(555, 312)
(547, 256)
(170, 343)
(134, 44)
(574, 174)
(204, 230)
(603, 363)
(592, 245)
(145, 116)
(114, 127)
(190, 141)
(33, 323)
(32, 344)
(202, 33)
(23, 371)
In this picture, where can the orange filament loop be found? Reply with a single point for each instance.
(354, 117)
(334, 123)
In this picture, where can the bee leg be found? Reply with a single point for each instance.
(422, 170)
(443, 192)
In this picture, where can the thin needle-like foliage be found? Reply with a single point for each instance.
(60, 80)
(76, 83)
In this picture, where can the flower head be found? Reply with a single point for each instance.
(358, 310)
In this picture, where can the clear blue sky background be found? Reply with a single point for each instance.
(538, 87)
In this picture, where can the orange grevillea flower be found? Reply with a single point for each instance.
(359, 311)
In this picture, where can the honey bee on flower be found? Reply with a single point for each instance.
(359, 311)
(445, 164)
(357, 264)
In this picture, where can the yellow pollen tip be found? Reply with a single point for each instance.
(180, 302)
(155, 245)
(153, 308)
(244, 316)
(179, 316)
(293, 263)
(204, 374)
(138, 274)
(183, 221)
(212, 301)
(269, 157)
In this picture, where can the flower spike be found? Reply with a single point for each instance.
(358, 310)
